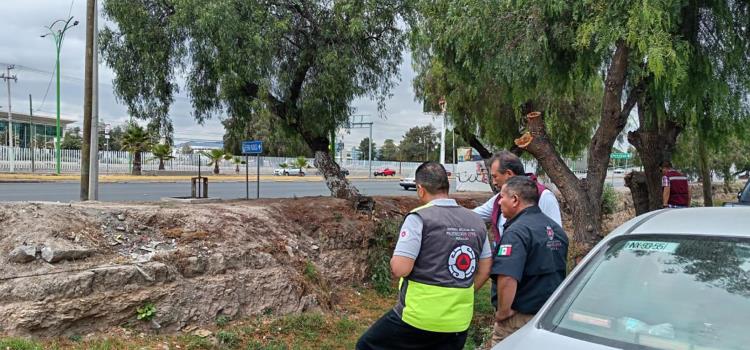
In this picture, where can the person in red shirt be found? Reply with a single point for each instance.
(675, 187)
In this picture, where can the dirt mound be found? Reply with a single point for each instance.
(75, 268)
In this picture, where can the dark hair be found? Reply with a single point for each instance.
(666, 164)
(524, 188)
(508, 161)
(432, 177)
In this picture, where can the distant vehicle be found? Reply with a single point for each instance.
(669, 279)
(385, 172)
(344, 172)
(288, 171)
(408, 182)
(743, 197)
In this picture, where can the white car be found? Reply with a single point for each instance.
(669, 279)
(288, 171)
(408, 182)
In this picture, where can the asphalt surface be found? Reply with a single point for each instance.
(69, 191)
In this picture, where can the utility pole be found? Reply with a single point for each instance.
(442, 132)
(362, 124)
(94, 153)
(11, 142)
(87, 94)
(33, 137)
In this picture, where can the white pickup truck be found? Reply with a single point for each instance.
(288, 171)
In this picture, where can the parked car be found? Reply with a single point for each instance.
(385, 172)
(289, 171)
(743, 197)
(408, 182)
(670, 279)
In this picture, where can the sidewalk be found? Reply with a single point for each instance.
(16, 178)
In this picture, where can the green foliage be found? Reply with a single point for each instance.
(364, 150)
(72, 139)
(306, 326)
(300, 64)
(609, 200)
(136, 139)
(310, 272)
(215, 156)
(420, 143)
(222, 320)
(379, 257)
(19, 344)
(228, 339)
(300, 163)
(162, 152)
(389, 151)
(283, 165)
(195, 342)
(147, 312)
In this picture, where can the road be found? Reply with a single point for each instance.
(69, 191)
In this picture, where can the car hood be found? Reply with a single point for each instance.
(408, 179)
(531, 338)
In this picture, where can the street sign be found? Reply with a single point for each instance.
(252, 147)
(621, 156)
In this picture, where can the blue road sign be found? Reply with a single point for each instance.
(252, 147)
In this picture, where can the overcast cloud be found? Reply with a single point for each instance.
(34, 57)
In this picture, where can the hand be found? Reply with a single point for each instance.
(502, 315)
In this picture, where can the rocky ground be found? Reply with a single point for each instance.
(77, 268)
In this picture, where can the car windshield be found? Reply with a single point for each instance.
(745, 196)
(660, 292)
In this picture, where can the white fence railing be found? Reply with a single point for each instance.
(114, 162)
(26, 160)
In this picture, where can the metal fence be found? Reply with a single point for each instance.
(42, 161)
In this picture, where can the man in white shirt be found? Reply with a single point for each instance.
(503, 166)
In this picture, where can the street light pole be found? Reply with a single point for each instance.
(58, 36)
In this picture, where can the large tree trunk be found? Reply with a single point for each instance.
(655, 141)
(216, 167)
(705, 171)
(161, 164)
(584, 196)
(636, 181)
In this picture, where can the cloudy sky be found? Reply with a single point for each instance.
(34, 58)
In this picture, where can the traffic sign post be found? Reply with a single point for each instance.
(248, 148)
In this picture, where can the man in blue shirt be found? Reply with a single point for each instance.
(530, 261)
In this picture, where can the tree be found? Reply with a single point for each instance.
(300, 163)
(237, 161)
(389, 150)
(72, 139)
(419, 144)
(215, 156)
(300, 64)
(716, 58)
(136, 140)
(364, 150)
(542, 57)
(186, 149)
(162, 152)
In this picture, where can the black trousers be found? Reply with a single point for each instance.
(390, 332)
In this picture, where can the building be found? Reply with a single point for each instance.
(26, 128)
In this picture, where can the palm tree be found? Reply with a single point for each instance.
(300, 162)
(136, 140)
(237, 161)
(215, 156)
(162, 153)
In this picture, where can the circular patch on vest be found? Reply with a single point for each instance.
(462, 263)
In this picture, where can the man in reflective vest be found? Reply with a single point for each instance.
(675, 187)
(442, 248)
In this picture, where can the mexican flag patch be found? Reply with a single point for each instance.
(504, 250)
